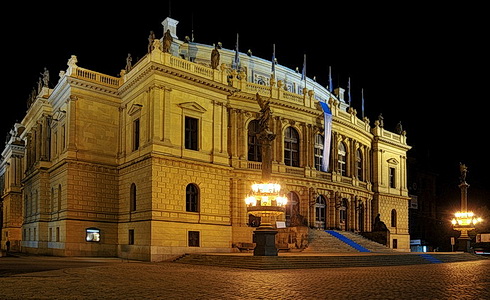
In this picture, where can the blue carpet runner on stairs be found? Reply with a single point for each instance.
(431, 258)
(347, 241)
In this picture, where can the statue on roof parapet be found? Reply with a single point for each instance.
(129, 59)
(151, 38)
(167, 41)
(215, 58)
(45, 77)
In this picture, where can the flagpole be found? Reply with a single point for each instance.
(274, 60)
(237, 58)
(362, 105)
(349, 93)
(330, 84)
(303, 72)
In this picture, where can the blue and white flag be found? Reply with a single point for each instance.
(327, 138)
(237, 56)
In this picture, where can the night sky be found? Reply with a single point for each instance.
(424, 66)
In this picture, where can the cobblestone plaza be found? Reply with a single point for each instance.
(90, 278)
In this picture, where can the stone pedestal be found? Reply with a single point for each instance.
(464, 244)
(265, 242)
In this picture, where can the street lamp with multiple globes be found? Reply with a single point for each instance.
(464, 220)
(265, 199)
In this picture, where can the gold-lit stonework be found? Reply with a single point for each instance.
(157, 161)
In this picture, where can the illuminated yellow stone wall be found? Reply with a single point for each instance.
(90, 117)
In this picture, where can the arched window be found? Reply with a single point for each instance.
(191, 198)
(319, 152)
(342, 153)
(291, 147)
(393, 218)
(359, 169)
(132, 197)
(254, 147)
(292, 210)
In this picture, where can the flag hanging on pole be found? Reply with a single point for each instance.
(362, 104)
(237, 57)
(327, 137)
(274, 60)
(330, 83)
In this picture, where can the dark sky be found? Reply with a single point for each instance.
(424, 66)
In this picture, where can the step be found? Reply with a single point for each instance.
(299, 261)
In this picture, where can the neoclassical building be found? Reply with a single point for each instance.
(158, 161)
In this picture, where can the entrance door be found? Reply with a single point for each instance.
(320, 212)
(361, 217)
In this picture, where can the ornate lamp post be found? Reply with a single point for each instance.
(464, 220)
(265, 199)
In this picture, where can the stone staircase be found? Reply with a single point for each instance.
(324, 242)
(331, 249)
(303, 261)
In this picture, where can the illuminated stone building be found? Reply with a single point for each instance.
(158, 161)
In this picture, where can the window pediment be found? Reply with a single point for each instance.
(135, 108)
(193, 106)
(393, 161)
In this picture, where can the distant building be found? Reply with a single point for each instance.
(423, 219)
(157, 162)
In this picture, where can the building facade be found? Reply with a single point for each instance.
(158, 161)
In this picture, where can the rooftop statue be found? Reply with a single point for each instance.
(215, 58)
(167, 41)
(151, 38)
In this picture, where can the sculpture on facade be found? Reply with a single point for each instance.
(45, 77)
(129, 59)
(215, 58)
(378, 224)
(463, 169)
(151, 38)
(399, 128)
(265, 114)
(381, 120)
(167, 41)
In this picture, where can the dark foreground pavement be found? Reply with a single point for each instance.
(38, 277)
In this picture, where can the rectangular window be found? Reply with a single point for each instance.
(131, 237)
(395, 243)
(57, 234)
(92, 235)
(136, 134)
(55, 143)
(392, 178)
(193, 238)
(191, 133)
(63, 137)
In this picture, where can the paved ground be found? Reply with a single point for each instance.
(38, 277)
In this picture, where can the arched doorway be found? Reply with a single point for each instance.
(361, 217)
(320, 212)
